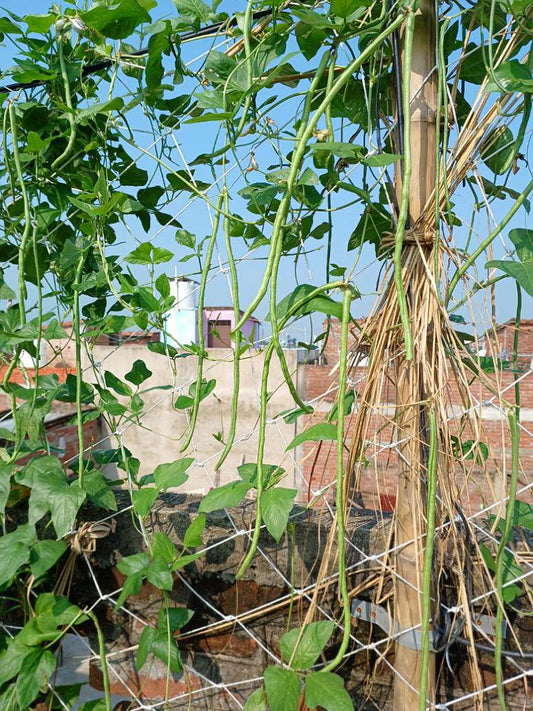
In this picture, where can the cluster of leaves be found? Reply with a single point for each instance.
(300, 651)
(512, 570)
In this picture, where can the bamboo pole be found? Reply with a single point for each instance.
(411, 419)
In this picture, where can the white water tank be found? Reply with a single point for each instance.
(182, 319)
(28, 361)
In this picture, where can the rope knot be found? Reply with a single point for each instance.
(84, 539)
(411, 237)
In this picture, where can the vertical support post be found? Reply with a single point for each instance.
(410, 416)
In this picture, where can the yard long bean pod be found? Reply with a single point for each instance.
(27, 214)
(79, 369)
(340, 488)
(237, 338)
(406, 177)
(304, 134)
(201, 337)
(262, 424)
(68, 101)
(248, 60)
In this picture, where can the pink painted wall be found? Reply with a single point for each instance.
(227, 314)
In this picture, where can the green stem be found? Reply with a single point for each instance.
(304, 134)
(488, 240)
(79, 369)
(428, 558)
(482, 285)
(500, 557)
(514, 420)
(68, 101)
(406, 180)
(103, 659)
(518, 317)
(442, 105)
(201, 339)
(276, 332)
(339, 494)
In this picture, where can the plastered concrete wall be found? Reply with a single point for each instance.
(159, 435)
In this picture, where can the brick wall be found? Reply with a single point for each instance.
(61, 432)
(378, 477)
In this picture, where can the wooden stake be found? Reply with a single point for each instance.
(409, 412)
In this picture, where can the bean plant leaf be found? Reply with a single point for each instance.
(44, 555)
(511, 573)
(58, 608)
(380, 160)
(132, 586)
(11, 660)
(174, 618)
(257, 701)
(225, 496)
(51, 493)
(116, 384)
(197, 10)
(131, 564)
(98, 490)
(182, 402)
(116, 21)
(163, 547)
(523, 514)
(277, 506)
(6, 470)
(498, 149)
(138, 373)
(522, 270)
(165, 649)
(283, 689)
(344, 8)
(145, 644)
(326, 690)
(375, 222)
(301, 648)
(510, 76)
(37, 669)
(159, 574)
(349, 151)
(271, 474)
(172, 474)
(318, 304)
(193, 534)
(15, 551)
(143, 500)
(315, 433)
